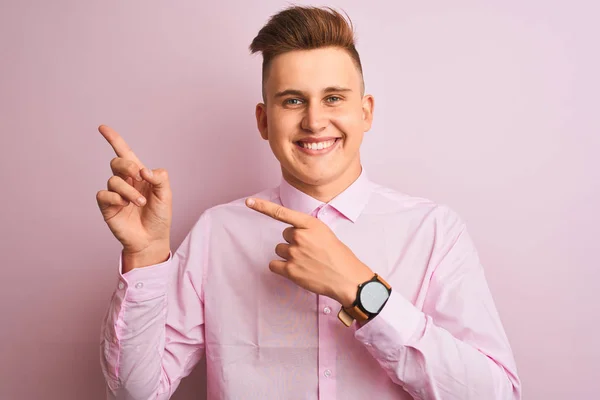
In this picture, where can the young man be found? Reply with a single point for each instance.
(328, 286)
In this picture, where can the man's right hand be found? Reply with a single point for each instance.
(137, 207)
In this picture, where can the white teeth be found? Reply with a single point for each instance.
(318, 146)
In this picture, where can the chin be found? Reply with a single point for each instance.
(315, 177)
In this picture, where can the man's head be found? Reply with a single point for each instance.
(313, 90)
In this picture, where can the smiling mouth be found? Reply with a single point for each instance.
(320, 146)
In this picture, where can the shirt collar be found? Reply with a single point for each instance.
(350, 202)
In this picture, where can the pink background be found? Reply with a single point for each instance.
(492, 109)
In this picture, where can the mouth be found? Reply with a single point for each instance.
(318, 148)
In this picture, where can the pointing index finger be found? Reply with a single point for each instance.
(280, 213)
(119, 145)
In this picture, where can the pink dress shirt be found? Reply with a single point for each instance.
(439, 335)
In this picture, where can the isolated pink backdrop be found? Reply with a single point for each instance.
(491, 109)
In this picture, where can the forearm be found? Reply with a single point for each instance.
(134, 335)
(147, 347)
(430, 363)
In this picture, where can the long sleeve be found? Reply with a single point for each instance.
(455, 347)
(153, 332)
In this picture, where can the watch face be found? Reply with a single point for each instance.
(373, 295)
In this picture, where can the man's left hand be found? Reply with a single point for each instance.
(313, 257)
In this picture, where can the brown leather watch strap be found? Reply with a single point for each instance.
(380, 279)
(357, 313)
(345, 317)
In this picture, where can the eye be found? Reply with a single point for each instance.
(333, 99)
(292, 102)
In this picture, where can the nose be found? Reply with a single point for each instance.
(315, 118)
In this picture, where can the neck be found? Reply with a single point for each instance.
(326, 191)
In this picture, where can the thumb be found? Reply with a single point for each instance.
(159, 179)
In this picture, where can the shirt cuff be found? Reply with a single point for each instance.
(392, 328)
(144, 283)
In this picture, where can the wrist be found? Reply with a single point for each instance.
(347, 294)
(145, 258)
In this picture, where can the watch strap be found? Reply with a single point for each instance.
(345, 317)
(380, 279)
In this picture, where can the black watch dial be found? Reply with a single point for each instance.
(373, 296)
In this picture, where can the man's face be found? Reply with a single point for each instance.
(314, 99)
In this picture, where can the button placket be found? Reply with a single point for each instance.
(327, 353)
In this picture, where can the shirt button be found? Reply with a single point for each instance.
(139, 285)
(326, 310)
(327, 373)
(115, 340)
(121, 285)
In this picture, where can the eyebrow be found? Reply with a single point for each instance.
(294, 92)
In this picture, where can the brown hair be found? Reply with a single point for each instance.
(304, 28)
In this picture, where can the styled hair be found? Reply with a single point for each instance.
(304, 28)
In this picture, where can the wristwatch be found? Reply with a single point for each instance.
(370, 299)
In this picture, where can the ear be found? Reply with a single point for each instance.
(261, 120)
(368, 107)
